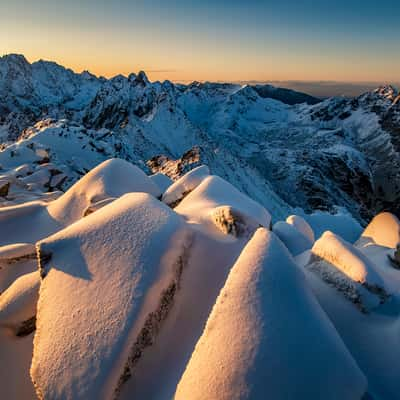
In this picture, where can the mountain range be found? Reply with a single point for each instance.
(285, 149)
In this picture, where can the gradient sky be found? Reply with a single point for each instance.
(346, 40)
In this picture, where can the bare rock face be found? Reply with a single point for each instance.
(4, 188)
(175, 168)
(232, 222)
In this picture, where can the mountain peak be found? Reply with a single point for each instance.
(17, 60)
(387, 91)
(13, 57)
(142, 78)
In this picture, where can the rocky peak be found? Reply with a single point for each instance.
(142, 79)
(387, 91)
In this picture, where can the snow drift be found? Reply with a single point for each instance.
(35, 220)
(184, 185)
(383, 230)
(293, 238)
(217, 203)
(248, 349)
(342, 265)
(108, 283)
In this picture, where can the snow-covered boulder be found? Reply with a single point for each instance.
(17, 251)
(109, 281)
(216, 202)
(184, 185)
(302, 226)
(346, 268)
(16, 260)
(97, 205)
(292, 238)
(112, 178)
(383, 230)
(267, 337)
(26, 223)
(342, 224)
(18, 304)
(232, 221)
(36, 220)
(162, 181)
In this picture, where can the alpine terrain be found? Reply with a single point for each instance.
(202, 241)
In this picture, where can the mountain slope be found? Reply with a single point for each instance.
(321, 155)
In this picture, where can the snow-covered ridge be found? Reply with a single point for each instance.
(116, 290)
(335, 153)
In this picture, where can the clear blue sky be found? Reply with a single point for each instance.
(350, 40)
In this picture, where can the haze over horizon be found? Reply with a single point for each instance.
(210, 41)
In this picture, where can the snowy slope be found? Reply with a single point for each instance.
(259, 338)
(104, 291)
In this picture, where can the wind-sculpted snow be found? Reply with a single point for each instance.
(216, 202)
(108, 283)
(293, 239)
(383, 230)
(110, 289)
(30, 222)
(349, 271)
(163, 182)
(268, 337)
(110, 179)
(302, 226)
(18, 303)
(183, 186)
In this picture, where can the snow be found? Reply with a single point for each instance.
(203, 205)
(15, 360)
(350, 271)
(344, 256)
(162, 181)
(18, 302)
(103, 283)
(383, 230)
(112, 178)
(293, 239)
(16, 260)
(32, 221)
(302, 226)
(201, 282)
(372, 338)
(340, 223)
(280, 155)
(16, 250)
(111, 262)
(248, 349)
(184, 185)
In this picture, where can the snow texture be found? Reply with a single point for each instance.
(184, 185)
(203, 205)
(294, 239)
(104, 279)
(248, 349)
(383, 230)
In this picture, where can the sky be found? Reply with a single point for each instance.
(271, 40)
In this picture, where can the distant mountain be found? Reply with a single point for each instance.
(286, 96)
(284, 148)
